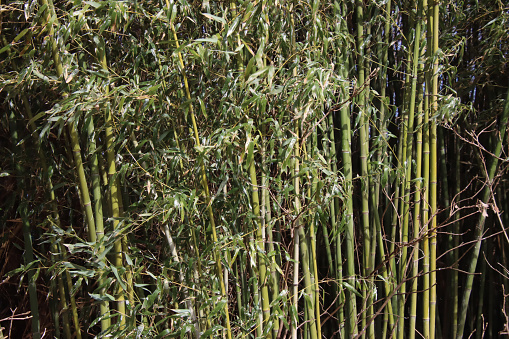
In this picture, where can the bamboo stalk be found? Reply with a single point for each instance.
(415, 56)
(56, 220)
(296, 234)
(349, 231)
(98, 213)
(350, 278)
(27, 236)
(426, 172)
(204, 184)
(417, 219)
(262, 268)
(309, 257)
(479, 230)
(434, 174)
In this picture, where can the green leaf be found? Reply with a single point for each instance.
(233, 27)
(21, 34)
(115, 272)
(215, 18)
(351, 289)
(5, 48)
(212, 39)
(94, 4)
(105, 297)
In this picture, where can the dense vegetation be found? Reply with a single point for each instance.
(253, 169)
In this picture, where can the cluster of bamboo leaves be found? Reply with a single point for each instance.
(269, 169)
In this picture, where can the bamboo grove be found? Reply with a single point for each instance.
(254, 169)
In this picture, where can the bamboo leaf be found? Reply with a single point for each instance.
(120, 281)
(215, 18)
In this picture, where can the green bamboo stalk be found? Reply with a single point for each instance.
(434, 174)
(76, 149)
(426, 176)
(115, 196)
(294, 308)
(274, 275)
(479, 230)
(204, 182)
(296, 233)
(389, 314)
(309, 257)
(262, 268)
(417, 218)
(330, 152)
(308, 285)
(98, 213)
(56, 219)
(414, 57)
(336, 266)
(349, 231)
(366, 185)
(53, 308)
(364, 140)
(479, 328)
(383, 158)
(350, 279)
(83, 187)
(191, 306)
(175, 256)
(455, 233)
(27, 237)
(64, 307)
(452, 286)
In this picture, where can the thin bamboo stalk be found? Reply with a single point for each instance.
(479, 231)
(479, 325)
(205, 185)
(426, 175)
(309, 257)
(27, 236)
(417, 221)
(350, 279)
(262, 268)
(414, 56)
(455, 233)
(349, 231)
(189, 305)
(98, 213)
(296, 235)
(56, 219)
(114, 194)
(434, 174)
